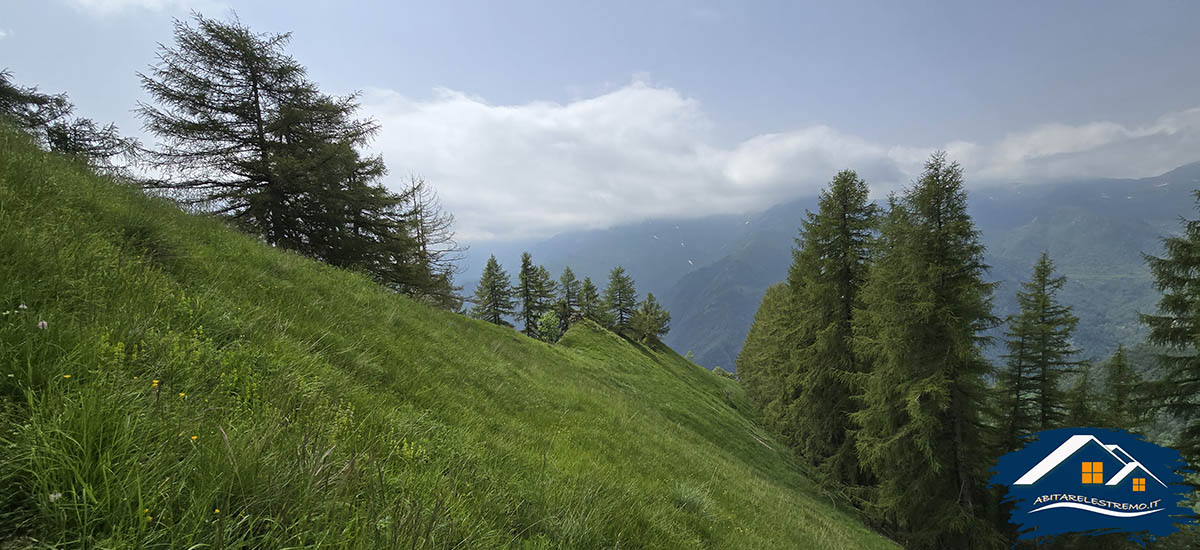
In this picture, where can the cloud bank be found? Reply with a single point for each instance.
(643, 151)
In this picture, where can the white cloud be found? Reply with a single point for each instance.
(641, 151)
(4, 34)
(105, 7)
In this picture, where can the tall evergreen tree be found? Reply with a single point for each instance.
(765, 364)
(620, 298)
(925, 310)
(569, 293)
(535, 292)
(494, 295)
(1122, 397)
(245, 134)
(650, 320)
(1039, 353)
(1080, 401)
(1176, 327)
(829, 267)
(590, 304)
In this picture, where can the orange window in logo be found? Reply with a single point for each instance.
(1139, 484)
(1093, 472)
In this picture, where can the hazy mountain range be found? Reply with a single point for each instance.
(711, 272)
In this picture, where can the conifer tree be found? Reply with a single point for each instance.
(829, 267)
(569, 293)
(620, 298)
(925, 310)
(765, 364)
(494, 295)
(432, 229)
(650, 321)
(590, 304)
(535, 292)
(1176, 328)
(244, 133)
(1080, 401)
(1039, 353)
(1123, 401)
(48, 118)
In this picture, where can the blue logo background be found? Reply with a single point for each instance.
(1052, 493)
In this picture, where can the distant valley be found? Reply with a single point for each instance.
(711, 272)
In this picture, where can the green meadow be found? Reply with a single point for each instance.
(195, 388)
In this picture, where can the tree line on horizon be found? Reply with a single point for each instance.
(547, 308)
(868, 362)
(245, 135)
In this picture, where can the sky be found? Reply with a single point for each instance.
(532, 118)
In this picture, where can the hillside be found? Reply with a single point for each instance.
(192, 387)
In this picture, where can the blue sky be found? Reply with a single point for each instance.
(536, 117)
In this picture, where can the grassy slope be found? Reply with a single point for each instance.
(327, 412)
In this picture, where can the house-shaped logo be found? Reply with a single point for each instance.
(1090, 480)
(1090, 459)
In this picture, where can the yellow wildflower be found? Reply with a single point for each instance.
(195, 437)
(181, 394)
(66, 376)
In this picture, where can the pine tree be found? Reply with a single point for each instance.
(494, 295)
(650, 321)
(829, 267)
(925, 309)
(620, 298)
(1176, 327)
(1123, 401)
(1039, 353)
(590, 304)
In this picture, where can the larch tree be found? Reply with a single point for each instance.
(925, 309)
(243, 133)
(620, 298)
(1124, 407)
(494, 296)
(569, 289)
(433, 235)
(765, 364)
(1030, 396)
(829, 267)
(1080, 401)
(1175, 327)
(535, 294)
(49, 119)
(650, 321)
(590, 304)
